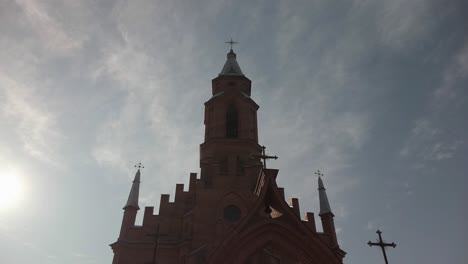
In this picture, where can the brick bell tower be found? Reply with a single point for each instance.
(234, 212)
(231, 136)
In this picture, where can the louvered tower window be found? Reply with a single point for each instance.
(231, 122)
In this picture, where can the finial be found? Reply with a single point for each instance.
(231, 42)
(319, 173)
(139, 166)
(320, 182)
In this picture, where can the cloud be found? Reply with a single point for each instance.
(402, 24)
(35, 126)
(428, 143)
(432, 138)
(51, 31)
(33, 76)
(453, 81)
(132, 72)
(151, 122)
(108, 150)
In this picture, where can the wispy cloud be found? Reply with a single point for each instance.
(30, 120)
(454, 77)
(123, 82)
(430, 140)
(402, 24)
(51, 32)
(154, 105)
(428, 143)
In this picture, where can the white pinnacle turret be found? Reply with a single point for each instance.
(324, 205)
(134, 192)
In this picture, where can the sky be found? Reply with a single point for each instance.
(372, 93)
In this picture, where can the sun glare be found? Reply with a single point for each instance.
(11, 189)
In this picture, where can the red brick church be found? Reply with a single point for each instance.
(234, 212)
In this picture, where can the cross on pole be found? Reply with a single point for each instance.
(381, 244)
(139, 166)
(232, 42)
(318, 173)
(264, 157)
(155, 237)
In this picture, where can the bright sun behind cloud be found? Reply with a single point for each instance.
(11, 188)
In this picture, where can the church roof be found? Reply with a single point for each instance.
(134, 193)
(324, 204)
(231, 67)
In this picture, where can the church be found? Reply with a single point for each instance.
(234, 212)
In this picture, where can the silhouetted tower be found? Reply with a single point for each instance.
(230, 126)
(131, 207)
(326, 214)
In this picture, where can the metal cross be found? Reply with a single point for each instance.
(264, 157)
(232, 42)
(319, 173)
(155, 237)
(139, 166)
(381, 244)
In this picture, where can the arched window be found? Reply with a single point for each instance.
(231, 122)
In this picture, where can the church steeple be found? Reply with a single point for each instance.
(326, 215)
(131, 207)
(134, 192)
(231, 135)
(324, 204)
(231, 67)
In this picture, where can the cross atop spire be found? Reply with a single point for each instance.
(139, 166)
(231, 67)
(232, 42)
(318, 173)
(320, 184)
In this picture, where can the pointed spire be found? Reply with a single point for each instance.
(324, 205)
(231, 67)
(134, 192)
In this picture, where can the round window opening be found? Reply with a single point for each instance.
(232, 213)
